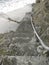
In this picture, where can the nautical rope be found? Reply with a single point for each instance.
(42, 43)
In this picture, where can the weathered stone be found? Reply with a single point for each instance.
(9, 61)
(41, 19)
(25, 60)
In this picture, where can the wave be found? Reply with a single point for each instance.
(9, 5)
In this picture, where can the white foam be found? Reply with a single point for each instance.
(14, 4)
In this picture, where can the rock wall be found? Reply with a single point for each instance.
(41, 19)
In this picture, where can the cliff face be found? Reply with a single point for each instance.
(20, 42)
(41, 19)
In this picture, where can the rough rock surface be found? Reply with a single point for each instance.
(24, 60)
(41, 19)
(21, 42)
(20, 47)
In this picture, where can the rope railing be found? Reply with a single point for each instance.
(35, 32)
(42, 43)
